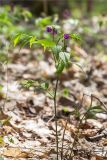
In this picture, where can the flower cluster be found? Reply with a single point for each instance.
(54, 31)
(51, 30)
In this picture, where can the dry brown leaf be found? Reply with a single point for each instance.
(69, 127)
(97, 158)
(8, 129)
(80, 51)
(3, 115)
(15, 153)
(103, 142)
(90, 132)
(82, 133)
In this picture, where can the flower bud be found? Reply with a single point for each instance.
(48, 29)
(66, 36)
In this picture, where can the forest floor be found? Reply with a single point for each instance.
(27, 126)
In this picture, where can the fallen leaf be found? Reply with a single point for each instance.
(15, 153)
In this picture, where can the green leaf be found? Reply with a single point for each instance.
(36, 84)
(22, 38)
(89, 115)
(60, 67)
(24, 42)
(50, 94)
(65, 109)
(27, 14)
(91, 112)
(1, 158)
(65, 57)
(56, 50)
(75, 37)
(3, 58)
(65, 92)
(11, 140)
(43, 21)
(44, 85)
(96, 109)
(45, 43)
(17, 39)
(5, 121)
(27, 83)
(32, 40)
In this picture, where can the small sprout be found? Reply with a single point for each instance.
(65, 109)
(66, 92)
(11, 140)
(66, 36)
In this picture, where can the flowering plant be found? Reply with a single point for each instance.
(57, 44)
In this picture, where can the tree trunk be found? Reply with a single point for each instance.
(89, 5)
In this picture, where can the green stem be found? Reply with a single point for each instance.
(79, 125)
(55, 110)
(54, 59)
(64, 47)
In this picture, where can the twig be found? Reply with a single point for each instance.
(63, 140)
(97, 137)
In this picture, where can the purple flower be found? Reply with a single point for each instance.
(49, 29)
(66, 36)
(66, 14)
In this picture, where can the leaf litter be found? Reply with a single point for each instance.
(25, 124)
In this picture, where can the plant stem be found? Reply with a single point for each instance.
(64, 46)
(55, 110)
(79, 125)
